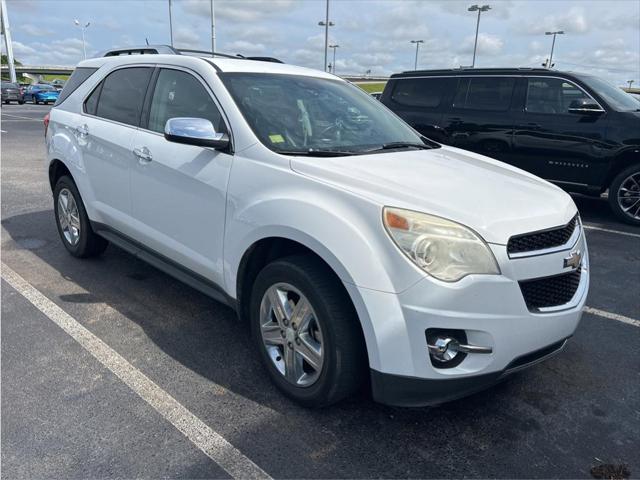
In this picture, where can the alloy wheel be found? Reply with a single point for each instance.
(68, 216)
(629, 196)
(291, 334)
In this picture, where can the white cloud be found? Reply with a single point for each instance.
(238, 10)
(34, 31)
(184, 37)
(573, 21)
(488, 44)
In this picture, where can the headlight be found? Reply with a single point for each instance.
(442, 248)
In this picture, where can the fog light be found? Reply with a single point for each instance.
(445, 349)
(448, 348)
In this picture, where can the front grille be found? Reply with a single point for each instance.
(530, 242)
(550, 291)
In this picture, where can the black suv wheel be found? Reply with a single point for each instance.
(624, 195)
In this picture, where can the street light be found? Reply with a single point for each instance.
(479, 9)
(334, 56)
(83, 28)
(630, 82)
(417, 42)
(326, 24)
(553, 44)
(170, 24)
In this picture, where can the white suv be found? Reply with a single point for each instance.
(359, 252)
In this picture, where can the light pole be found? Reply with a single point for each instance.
(213, 29)
(417, 42)
(553, 44)
(83, 28)
(326, 24)
(170, 24)
(630, 82)
(6, 33)
(479, 9)
(334, 46)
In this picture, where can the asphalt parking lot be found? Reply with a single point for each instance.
(66, 414)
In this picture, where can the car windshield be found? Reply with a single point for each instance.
(295, 114)
(45, 87)
(615, 97)
(9, 85)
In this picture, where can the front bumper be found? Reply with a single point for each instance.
(489, 309)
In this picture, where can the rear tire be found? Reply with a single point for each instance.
(338, 336)
(73, 223)
(624, 195)
(20, 102)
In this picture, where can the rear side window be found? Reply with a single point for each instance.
(484, 93)
(419, 92)
(180, 94)
(77, 78)
(121, 95)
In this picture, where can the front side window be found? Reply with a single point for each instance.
(122, 95)
(419, 92)
(180, 94)
(484, 93)
(552, 95)
(614, 96)
(295, 113)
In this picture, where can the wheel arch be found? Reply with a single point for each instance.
(57, 169)
(272, 247)
(621, 161)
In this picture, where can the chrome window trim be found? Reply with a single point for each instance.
(523, 75)
(153, 66)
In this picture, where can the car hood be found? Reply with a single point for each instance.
(493, 198)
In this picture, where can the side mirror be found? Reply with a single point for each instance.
(195, 131)
(585, 106)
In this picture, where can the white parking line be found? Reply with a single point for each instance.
(629, 234)
(21, 118)
(200, 434)
(612, 316)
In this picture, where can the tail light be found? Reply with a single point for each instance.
(46, 123)
(21, 91)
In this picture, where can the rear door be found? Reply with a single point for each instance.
(553, 143)
(418, 101)
(104, 133)
(479, 118)
(179, 191)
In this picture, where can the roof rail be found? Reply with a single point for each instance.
(141, 50)
(167, 50)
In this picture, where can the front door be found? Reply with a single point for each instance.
(555, 144)
(178, 192)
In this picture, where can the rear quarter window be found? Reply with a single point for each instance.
(419, 92)
(77, 78)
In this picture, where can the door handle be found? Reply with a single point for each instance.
(143, 154)
(82, 130)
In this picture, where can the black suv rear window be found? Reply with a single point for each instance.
(484, 93)
(77, 78)
(419, 92)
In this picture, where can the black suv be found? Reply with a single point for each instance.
(573, 129)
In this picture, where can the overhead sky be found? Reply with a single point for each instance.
(601, 37)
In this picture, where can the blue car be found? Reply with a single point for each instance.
(41, 94)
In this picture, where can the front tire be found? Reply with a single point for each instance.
(307, 331)
(624, 195)
(73, 223)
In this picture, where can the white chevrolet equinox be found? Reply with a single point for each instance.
(358, 252)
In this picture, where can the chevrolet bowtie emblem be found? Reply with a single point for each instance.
(573, 260)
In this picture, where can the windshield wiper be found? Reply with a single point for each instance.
(317, 153)
(392, 145)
